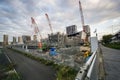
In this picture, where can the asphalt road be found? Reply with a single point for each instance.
(30, 69)
(111, 63)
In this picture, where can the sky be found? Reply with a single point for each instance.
(15, 16)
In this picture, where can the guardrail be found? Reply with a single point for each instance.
(86, 70)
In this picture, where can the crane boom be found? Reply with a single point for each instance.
(36, 29)
(82, 17)
(49, 22)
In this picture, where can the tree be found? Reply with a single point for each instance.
(106, 38)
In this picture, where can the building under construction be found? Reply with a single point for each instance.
(56, 40)
(71, 38)
(74, 39)
(26, 38)
(71, 30)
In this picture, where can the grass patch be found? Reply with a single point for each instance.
(65, 73)
(11, 76)
(113, 45)
(62, 72)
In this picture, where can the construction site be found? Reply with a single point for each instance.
(71, 49)
(59, 40)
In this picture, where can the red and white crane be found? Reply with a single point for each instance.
(34, 25)
(82, 17)
(36, 31)
(49, 22)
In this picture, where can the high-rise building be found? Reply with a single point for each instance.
(34, 37)
(71, 29)
(5, 40)
(14, 39)
(20, 40)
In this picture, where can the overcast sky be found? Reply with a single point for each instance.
(103, 15)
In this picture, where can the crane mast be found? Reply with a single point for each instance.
(49, 22)
(82, 17)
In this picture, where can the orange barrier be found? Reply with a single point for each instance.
(40, 45)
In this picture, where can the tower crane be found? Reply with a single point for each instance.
(82, 17)
(49, 22)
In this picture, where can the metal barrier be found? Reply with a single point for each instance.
(89, 68)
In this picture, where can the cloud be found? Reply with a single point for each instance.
(15, 15)
(101, 11)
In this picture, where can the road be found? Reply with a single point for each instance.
(111, 63)
(30, 69)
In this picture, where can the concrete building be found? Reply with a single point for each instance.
(5, 40)
(62, 40)
(20, 41)
(56, 39)
(71, 29)
(74, 39)
(87, 29)
(32, 44)
(26, 38)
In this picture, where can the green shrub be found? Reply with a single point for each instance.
(66, 73)
(115, 45)
(12, 76)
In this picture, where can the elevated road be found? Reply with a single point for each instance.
(111, 63)
(30, 69)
